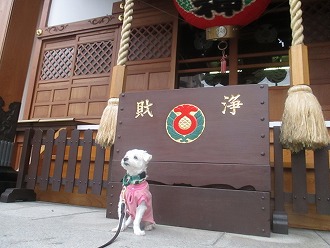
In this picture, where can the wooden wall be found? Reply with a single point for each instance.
(319, 65)
(152, 52)
(277, 96)
(151, 66)
(17, 46)
(5, 11)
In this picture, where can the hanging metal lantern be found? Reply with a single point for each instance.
(220, 18)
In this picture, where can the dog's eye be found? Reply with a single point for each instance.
(135, 157)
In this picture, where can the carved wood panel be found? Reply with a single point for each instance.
(152, 51)
(151, 42)
(73, 78)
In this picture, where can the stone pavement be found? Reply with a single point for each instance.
(48, 225)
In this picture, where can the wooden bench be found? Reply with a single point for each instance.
(213, 173)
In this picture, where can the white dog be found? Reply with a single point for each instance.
(135, 193)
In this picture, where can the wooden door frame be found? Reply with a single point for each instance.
(32, 71)
(45, 32)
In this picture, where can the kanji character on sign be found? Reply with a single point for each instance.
(143, 108)
(231, 103)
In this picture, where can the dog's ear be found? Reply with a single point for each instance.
(147, 157)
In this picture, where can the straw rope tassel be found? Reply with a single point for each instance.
(303, 125)
(107, 129)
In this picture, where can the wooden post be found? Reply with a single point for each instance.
(299, 68)
(280, 217)
(117, 80)
(21, 193)
(233, 61)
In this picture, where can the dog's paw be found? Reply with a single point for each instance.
(139, 232)
(149, 227)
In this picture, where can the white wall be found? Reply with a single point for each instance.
(66, 11)
(5, 11)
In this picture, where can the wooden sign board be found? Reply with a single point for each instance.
(231, 132)
(210, 149)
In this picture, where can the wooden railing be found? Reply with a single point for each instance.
(50, 161)
(300, 198)
(71, 160)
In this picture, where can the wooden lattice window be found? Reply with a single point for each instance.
(57, 63)
(74, 76)
(151, 42)
(316, 21)
(93, 58)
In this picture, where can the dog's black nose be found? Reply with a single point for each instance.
(125, 159)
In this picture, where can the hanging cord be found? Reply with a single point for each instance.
(303, 125)
(296, 22)
(125, 33)
(107, 128)
(222, 46)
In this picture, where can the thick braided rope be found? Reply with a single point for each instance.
(296, 22)
(125, 32)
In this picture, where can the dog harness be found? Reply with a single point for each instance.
(134, 195)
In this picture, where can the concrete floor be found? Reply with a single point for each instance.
(48, 225)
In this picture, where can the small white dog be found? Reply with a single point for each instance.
(135, 193)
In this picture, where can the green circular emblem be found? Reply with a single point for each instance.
(185, 123)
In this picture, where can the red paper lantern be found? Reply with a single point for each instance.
(211, 13)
